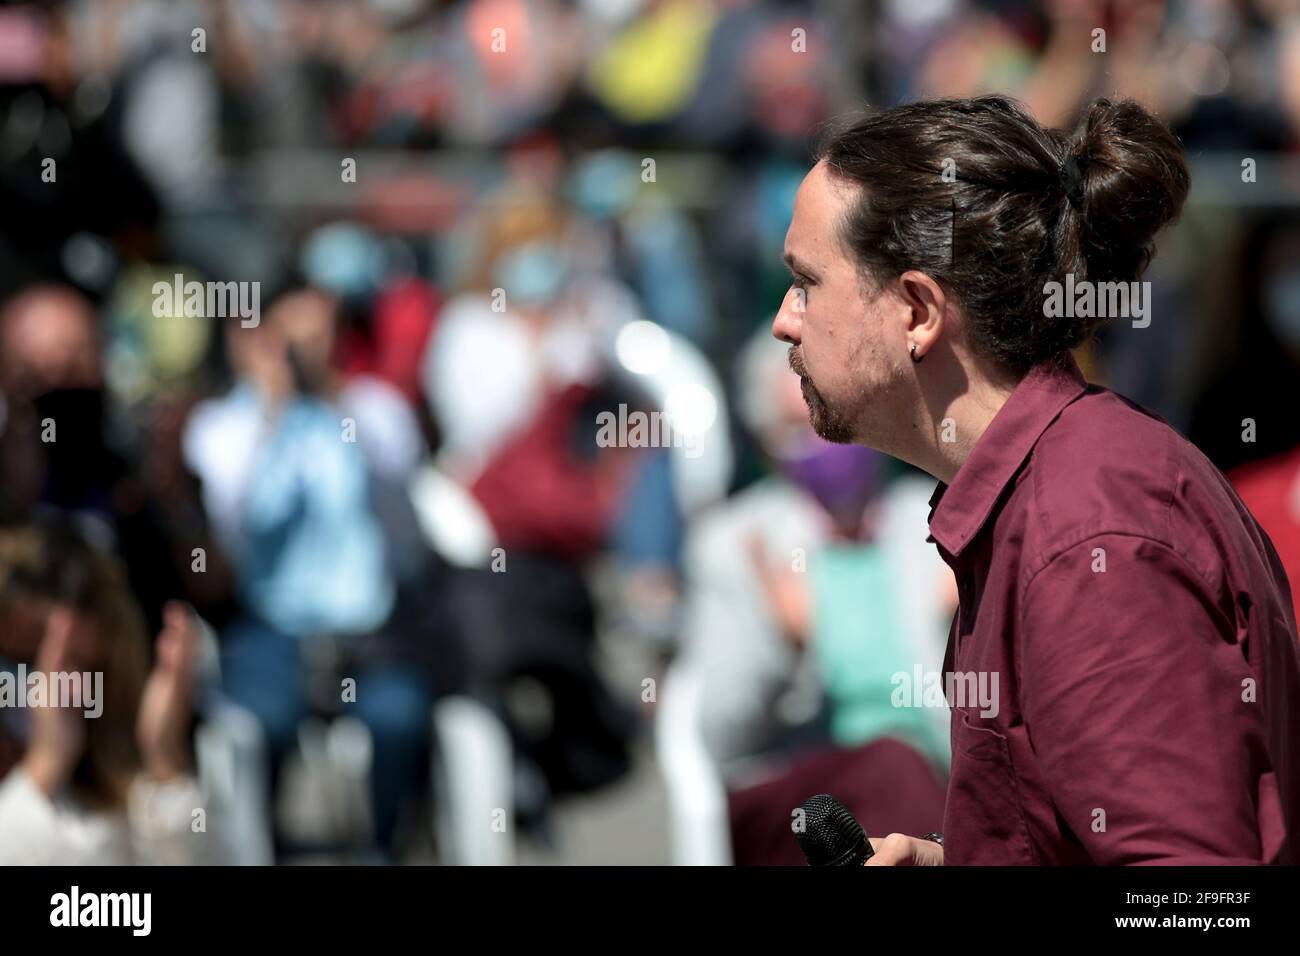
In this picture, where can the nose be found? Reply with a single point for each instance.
(788, 324)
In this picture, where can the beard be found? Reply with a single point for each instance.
(827, 421)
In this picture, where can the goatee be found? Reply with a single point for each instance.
(824, 419)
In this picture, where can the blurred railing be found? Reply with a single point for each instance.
(311, 178)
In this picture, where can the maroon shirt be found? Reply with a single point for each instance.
(1140, 627)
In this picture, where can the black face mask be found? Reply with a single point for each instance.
(77, 459)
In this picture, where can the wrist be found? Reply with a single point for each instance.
(162, 768)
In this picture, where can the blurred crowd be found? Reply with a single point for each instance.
(375, 530)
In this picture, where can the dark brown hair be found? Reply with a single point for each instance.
(1014, 212)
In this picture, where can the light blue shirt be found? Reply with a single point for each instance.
(310, 554)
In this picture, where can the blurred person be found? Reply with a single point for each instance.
(838, 598)
(649, 242)
(155, 367)
(73, 195)
(751, 673)
(177, 82)
(1108, 575)
(504, 85)
(509, 337)
(526, 346)
(516, 373)
(647, 72)
(110, 788)
(287, 459)
(248, 447)
(723, 76)
(62, 444)
(382, 323)
(796, 634)
(148, 361)
(787, 91)
(142, 54)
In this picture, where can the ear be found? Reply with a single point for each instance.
(927, 305)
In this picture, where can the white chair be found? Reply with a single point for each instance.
(229, 752)
(472, 785)
(697, 797)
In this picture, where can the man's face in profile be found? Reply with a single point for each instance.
(835, 330)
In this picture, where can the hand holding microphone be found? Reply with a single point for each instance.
(899, 849)
(832, 837)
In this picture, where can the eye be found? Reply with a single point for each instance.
(800, 281)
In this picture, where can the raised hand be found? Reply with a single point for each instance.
(58, 733)
(163, 721)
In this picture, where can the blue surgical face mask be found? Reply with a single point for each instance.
(344, 259)
(1282, 307)
(533, 274)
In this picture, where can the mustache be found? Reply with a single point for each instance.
(796, 362)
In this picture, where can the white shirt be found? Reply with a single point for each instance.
(156, 828)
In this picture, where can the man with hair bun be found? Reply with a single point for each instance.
(1137, 618)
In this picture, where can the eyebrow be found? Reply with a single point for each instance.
(794, 265)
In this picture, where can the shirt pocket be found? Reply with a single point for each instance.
(984, 804)
(980, 739)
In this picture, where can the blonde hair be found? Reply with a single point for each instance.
(512, 220)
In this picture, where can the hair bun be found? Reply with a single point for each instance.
(1134, 182)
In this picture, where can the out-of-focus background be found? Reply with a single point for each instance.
(470, 509)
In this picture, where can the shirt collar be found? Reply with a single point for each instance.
(959, 510)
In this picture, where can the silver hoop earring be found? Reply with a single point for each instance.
(913, 354)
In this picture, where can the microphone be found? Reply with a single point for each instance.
(831, 836)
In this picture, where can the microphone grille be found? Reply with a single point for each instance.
(831, 835)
